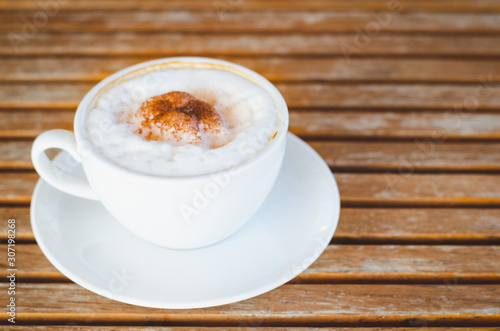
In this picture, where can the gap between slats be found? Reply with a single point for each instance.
(235, 320)
(241, 328)
(317, 278)
(376, 239)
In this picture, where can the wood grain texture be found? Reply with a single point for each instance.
(464, 97)
(258, 21)
(319, 305)
(341, 264)
(349, 156)
(277, 69)
(231, 6)
(426, 129)
(163, 44)
(372, 226)
(373, 190)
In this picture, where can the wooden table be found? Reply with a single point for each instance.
(401, 98)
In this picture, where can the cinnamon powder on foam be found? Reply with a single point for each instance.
(179, 117)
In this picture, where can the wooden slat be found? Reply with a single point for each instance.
(420, 127)
(390, 189)
(377, 96)
(298, 95)
(15, 154)
(372, 226)
(158, 44)
(394, 189)
(423, 128)
(349, 156)
(23, 226)
(443, 5)
(22, 123)
(38, 95)
(250, 21)
(405, 264)
(277, 69)
(16, 188)
(410, 225)
(289, 305)
(409, 157)
(341, 264)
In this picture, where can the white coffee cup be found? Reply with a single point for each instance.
(174, 212)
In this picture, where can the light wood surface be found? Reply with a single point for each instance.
(407, 119)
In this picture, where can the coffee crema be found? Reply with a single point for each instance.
(181, 121)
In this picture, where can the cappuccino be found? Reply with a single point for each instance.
(181, 119)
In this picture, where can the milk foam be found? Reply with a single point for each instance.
(250, 114)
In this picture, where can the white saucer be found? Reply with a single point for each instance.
(287, 234)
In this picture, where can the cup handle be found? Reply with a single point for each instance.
(55, 176)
